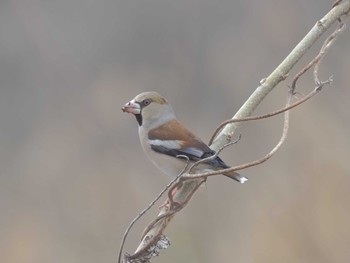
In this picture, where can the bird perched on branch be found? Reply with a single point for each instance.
(164, 139)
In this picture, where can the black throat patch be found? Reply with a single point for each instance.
(139, 119)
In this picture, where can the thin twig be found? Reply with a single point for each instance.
(180, 182)
(316, 61)
(253, 118)
(250, 164)
(151, 240)
(319, 85)
(172, 207)
(325, 48)
(150, 206)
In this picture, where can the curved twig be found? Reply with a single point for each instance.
(150, 206)
(253, 118)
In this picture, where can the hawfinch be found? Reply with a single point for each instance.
(164, 138)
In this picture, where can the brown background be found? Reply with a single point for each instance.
(72, 171)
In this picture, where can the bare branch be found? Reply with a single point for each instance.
(325, 48)
(153, 233)
(267, 85)
(271, 114)
(153, 240)
(150, 206)
(250, 164)
(319, 85)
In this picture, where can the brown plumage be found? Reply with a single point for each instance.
(164, 138)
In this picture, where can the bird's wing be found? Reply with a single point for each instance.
(175, 140)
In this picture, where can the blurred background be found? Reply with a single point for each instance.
(73, 174)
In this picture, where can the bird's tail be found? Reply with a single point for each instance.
(236, 176)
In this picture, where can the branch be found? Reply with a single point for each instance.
(281, 72)
(150, 206)
(271, 114)
(278, 145)
(153, 239)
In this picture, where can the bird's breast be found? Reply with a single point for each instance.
(169, 165)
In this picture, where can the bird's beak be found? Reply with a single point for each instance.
(132, 107)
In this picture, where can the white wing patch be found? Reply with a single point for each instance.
(170, 144)
(194, 151)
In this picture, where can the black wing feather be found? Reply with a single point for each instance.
(192, 155)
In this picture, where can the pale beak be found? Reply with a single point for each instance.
(132, 107)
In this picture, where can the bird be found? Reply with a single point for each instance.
(164, 139)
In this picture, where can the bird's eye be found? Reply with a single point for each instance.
(146, 102)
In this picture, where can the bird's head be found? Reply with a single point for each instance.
(150, 109)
